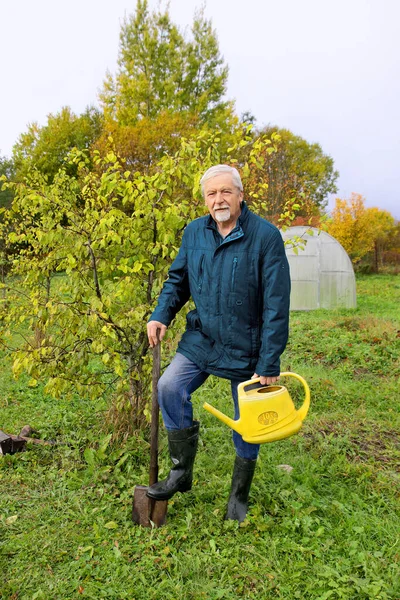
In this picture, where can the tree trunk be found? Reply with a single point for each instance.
(131, 391)
(3, 281)
(48, 286)
(376, 257)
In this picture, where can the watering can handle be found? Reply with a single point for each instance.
(303, 410)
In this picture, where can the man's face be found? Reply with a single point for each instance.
(223, 198)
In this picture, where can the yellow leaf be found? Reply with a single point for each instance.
(11, 520)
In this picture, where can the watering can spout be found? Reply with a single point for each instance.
(235, 425)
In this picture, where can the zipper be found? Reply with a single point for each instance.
(200, 284)
(234, 266)
(219, 292)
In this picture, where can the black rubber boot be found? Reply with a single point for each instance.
(242, 477)
(182, 445)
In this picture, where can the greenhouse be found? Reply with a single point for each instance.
(321, 271)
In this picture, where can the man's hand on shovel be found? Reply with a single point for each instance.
(154, 328)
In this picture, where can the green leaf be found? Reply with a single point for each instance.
(89, 456)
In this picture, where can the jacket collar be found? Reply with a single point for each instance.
(244, 215)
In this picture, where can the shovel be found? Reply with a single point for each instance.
(146, 511)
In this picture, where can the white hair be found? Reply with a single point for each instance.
(218, 170)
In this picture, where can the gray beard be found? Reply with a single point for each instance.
(222, 215)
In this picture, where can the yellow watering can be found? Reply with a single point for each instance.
(267, 414)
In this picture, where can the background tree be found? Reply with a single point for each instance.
(160, 70)
(6, 197)
(46, 148)
(144, 143)
(383, 224)
(357, 228)
(168, 86)
(391, 247)
(298, 172)
(6, 170)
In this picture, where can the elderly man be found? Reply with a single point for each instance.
(233, 265)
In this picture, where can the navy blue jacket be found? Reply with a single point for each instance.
(240, 285)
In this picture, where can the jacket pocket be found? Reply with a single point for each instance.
(238, 327)
(193, 322)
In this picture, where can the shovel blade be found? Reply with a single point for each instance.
(147, 512)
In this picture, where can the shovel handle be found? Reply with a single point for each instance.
(153, 474)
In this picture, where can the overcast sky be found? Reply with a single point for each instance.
(329, 71)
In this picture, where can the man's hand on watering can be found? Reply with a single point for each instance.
(152, 328)
(266, 380)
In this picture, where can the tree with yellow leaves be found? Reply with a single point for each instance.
(359, 229)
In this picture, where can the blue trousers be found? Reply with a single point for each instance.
(181, 378)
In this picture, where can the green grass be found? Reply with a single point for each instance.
(327, 530)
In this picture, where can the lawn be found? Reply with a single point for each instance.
(329, 528)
